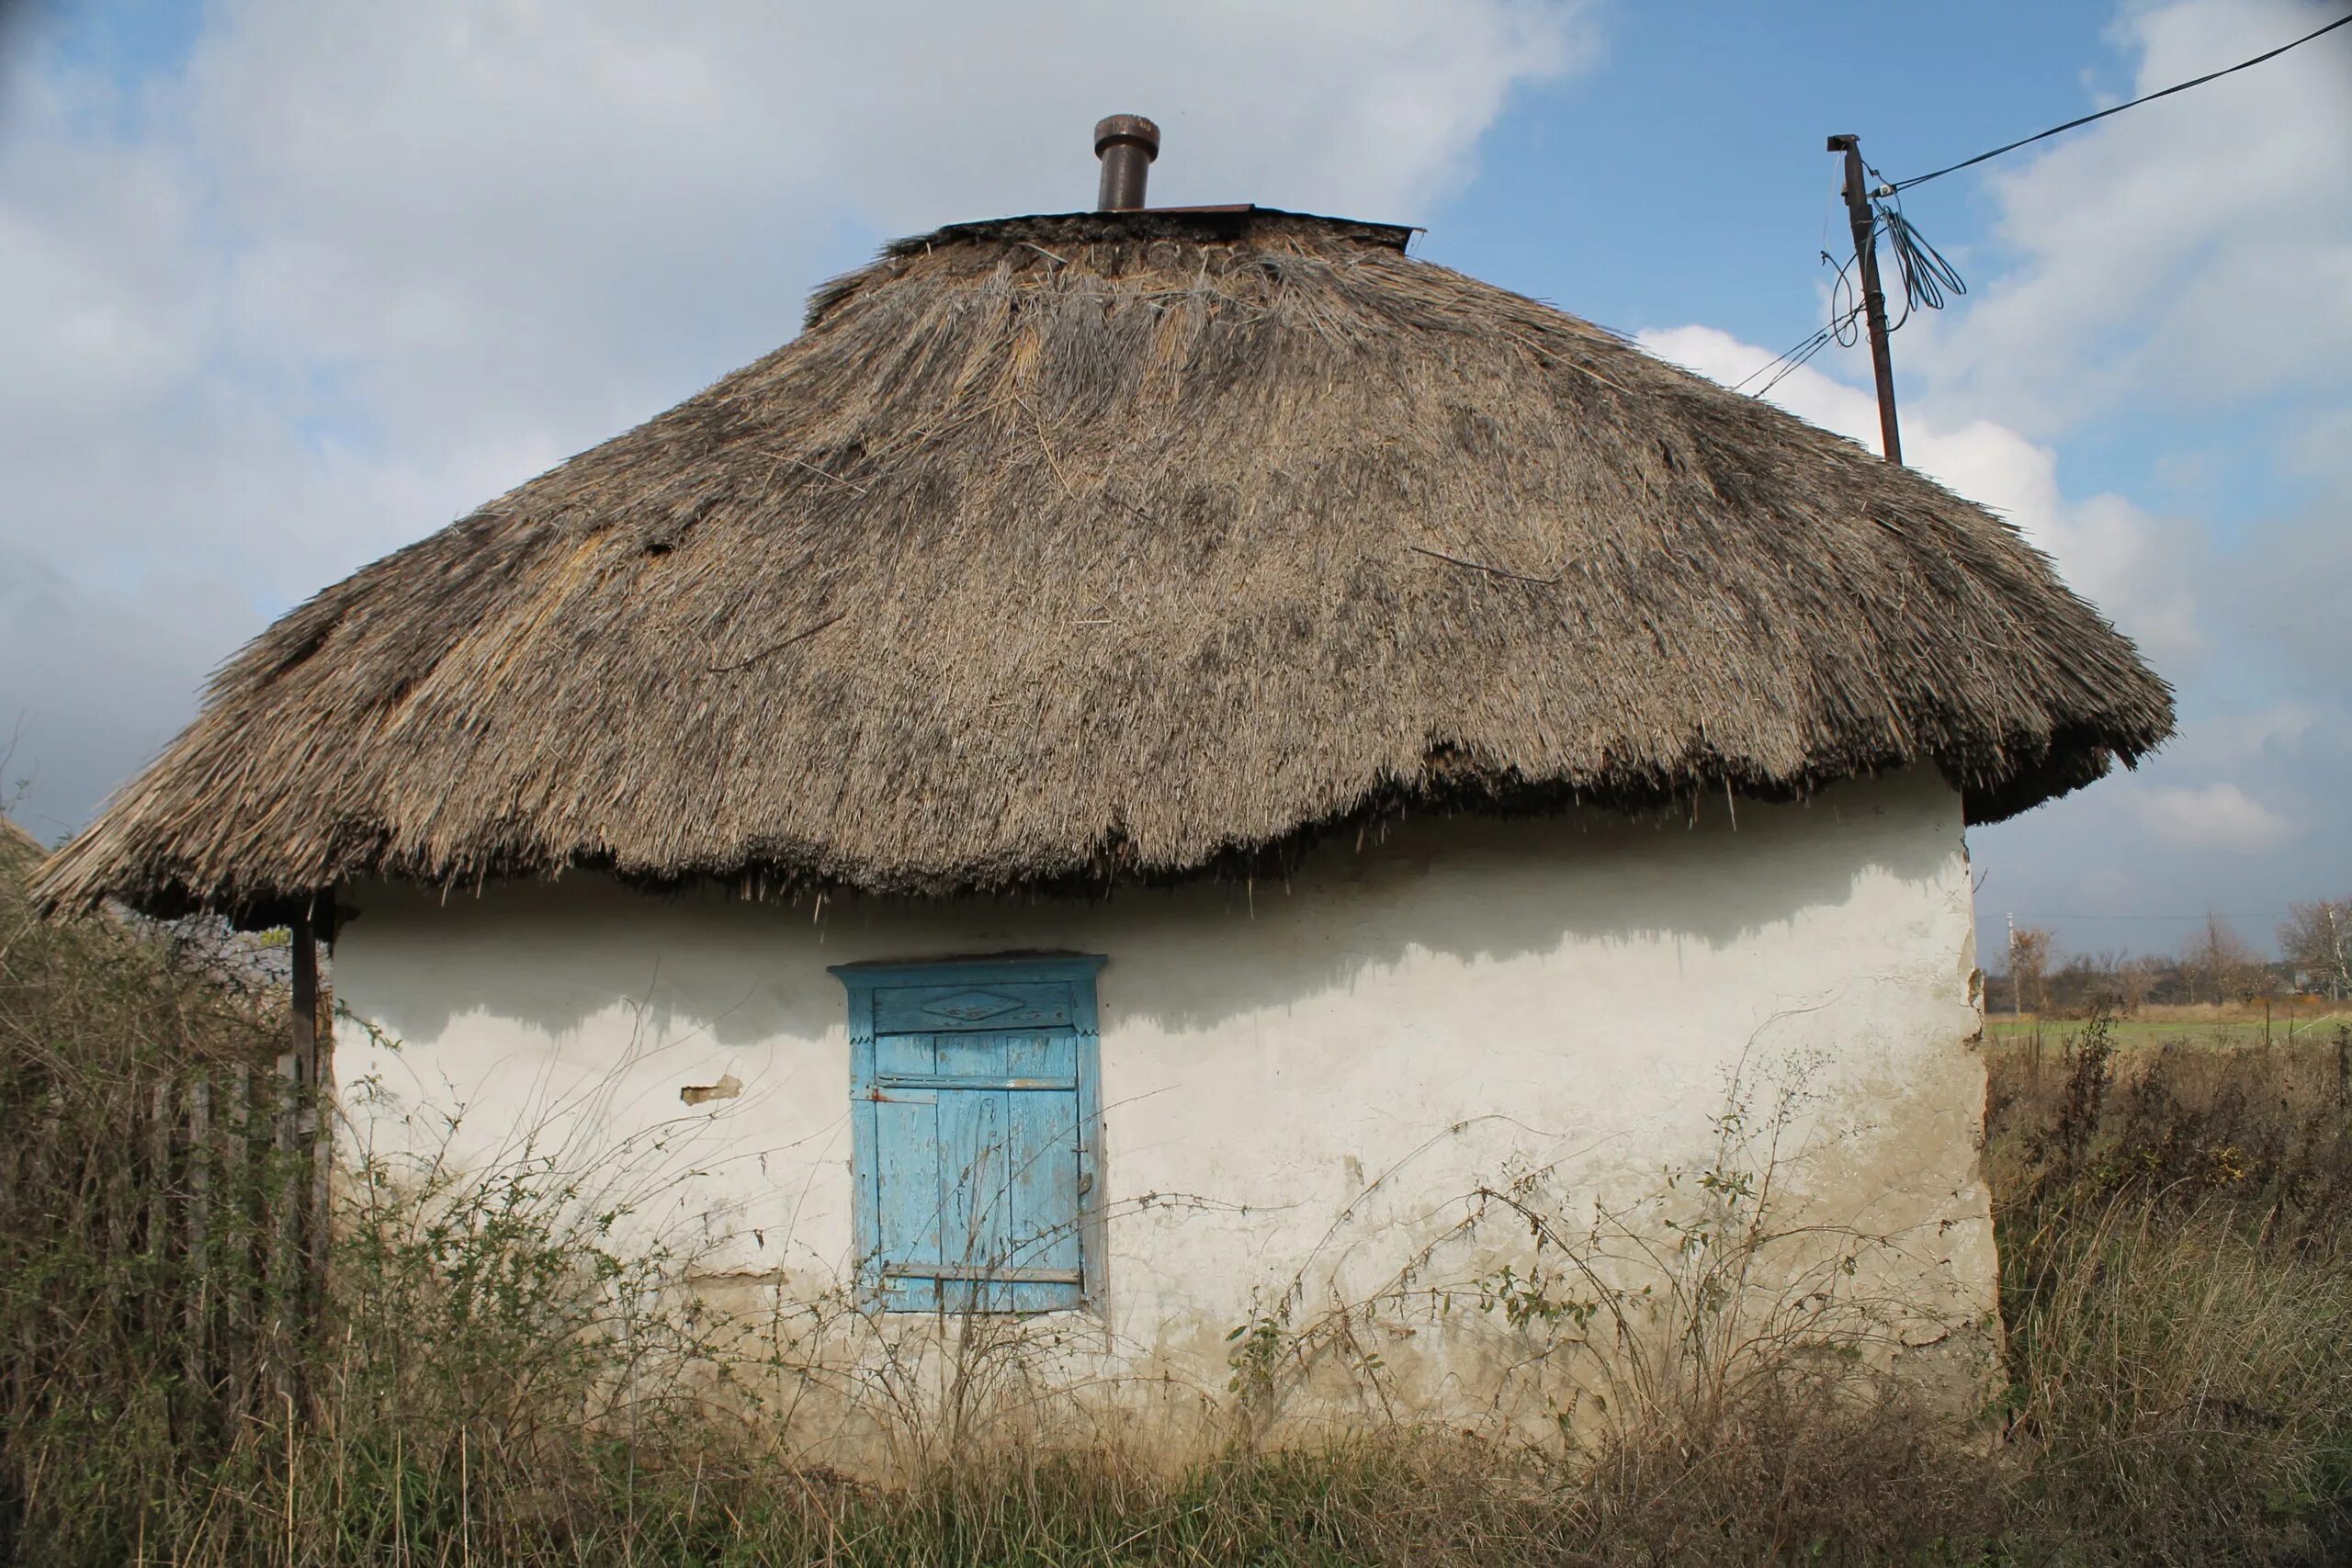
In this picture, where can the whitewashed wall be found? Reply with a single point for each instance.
(1303, 1083)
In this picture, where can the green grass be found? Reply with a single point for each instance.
(2282, 1029)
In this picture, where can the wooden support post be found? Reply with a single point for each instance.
(312, 1045)
(1865, 226)
(302, 939)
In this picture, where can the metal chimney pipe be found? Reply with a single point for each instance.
(1127, 143)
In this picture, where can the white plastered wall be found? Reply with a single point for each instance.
(1304, 1086)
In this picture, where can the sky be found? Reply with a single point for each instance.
(286, 284)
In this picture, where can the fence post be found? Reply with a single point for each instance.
(282, 1194)
(236, 1185)
(2343, 1066)
(197, 1289)
(159, 1211)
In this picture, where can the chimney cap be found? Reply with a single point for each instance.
(1128, 128)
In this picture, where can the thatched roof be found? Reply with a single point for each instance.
(1126, 545)
(19, 851)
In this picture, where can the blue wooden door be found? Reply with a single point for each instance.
(975, 1118)
(977, 1174)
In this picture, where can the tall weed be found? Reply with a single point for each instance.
(2179, 1301)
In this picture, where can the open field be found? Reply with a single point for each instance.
(2301, 1022)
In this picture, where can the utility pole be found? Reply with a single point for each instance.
(1857, 210)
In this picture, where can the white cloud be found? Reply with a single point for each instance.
(2192, 252)
(2216, 816)
(354, 269)
(537, 205)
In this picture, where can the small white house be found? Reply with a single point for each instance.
(1191, 785)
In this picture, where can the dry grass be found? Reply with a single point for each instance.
(2174, 1230)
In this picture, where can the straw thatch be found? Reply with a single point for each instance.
(19, 851)
(1126, 545)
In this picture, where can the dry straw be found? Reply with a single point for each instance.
(1111, 547)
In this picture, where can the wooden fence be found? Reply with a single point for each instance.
(235, 1176)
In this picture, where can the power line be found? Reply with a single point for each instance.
(1928, 278)
(1789, 362)
(2135, 103)
(1839, 330)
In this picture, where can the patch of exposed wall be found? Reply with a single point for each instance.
(1306, 1087)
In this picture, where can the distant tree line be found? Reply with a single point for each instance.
(2215, 965)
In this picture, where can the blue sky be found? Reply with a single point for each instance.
(1702, 127)
(288, 283)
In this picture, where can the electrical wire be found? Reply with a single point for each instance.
(1841, 321)
(1791, 361)
(1839, 329)
(2145, 99)
(1845, 309)
(1928, 280)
